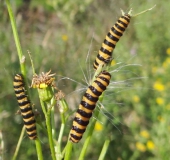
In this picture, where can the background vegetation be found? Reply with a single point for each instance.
(59, 35)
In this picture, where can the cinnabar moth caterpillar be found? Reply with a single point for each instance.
(105, 53)
(25, 106)
(87, 106)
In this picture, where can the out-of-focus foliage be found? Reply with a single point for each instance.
(59, 35)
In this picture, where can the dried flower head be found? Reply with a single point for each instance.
(60, 95)
(61, 103)
(43, 80)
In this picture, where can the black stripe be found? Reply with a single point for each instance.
(124, 24)
(17, 86)
(105, 73)
(20, 97)
(33, 135)
(26, 109)
(18, 79)
(100, 58)
(80, 121)
(31, 129)
(84, 114)
(27, 116)
(29, 122)
(96, 63)
(19, 91)
(95, 91)
(103, 59)
(75, 137)
(114, 29)
(78, 130)
(90, 97)
(109, 43)
(100, 85)
(22, 104)
(127, 17)
(112, 36)
(86, 105)
(119, 27)
(105, 51)
(104, 79)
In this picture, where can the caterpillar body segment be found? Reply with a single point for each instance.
(87, 106)
(105, 53)
(25, 106)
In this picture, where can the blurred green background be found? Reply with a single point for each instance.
(65, 36)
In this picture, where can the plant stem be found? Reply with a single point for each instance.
(89, 135)
(49, 130)
(62, 128)
(19, 143)
(58, 149)
(68, 150)
(52, 117)
(16, 38)
(104, 149)
(39, 149)
(43, 107)
(46, 107)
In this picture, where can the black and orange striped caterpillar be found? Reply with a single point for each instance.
(25, 106)
(105, 53)
(87, 106)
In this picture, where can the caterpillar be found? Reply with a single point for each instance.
(87, 106)
(105, 53)
(25, 106)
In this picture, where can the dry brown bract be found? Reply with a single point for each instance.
(59, 95)
(43, 80)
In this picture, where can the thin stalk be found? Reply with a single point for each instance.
(62, 128)
(53, 122)
(43, 107)
(63, 107)
(52, 117)
(97, 72)
(49, 130)
(54, 132)
(89, 135)
(104, 149)
(19, 143)
(46, 107)
(68, 150)
(58, 148)
(39, 149)
(16, 38)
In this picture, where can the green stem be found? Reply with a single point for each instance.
(16, 38)
(43, 107)
(68, 150)
(89, 135)
(19, 143)
(104, 149)
(52, 117)
(62, 128)
(63, 107)
(39, 149)
(46, 107)
(49, 130)
(58, 149)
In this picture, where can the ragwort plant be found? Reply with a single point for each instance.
(50, 95)
(46, 90)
